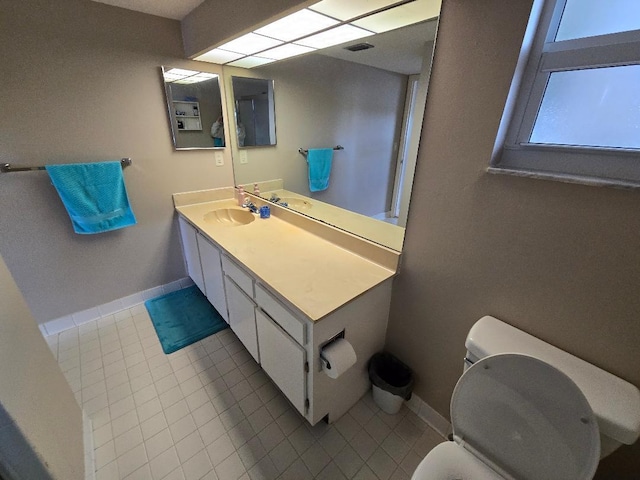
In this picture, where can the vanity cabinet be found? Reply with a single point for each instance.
(281, 338)
(189, 236)
(213, 277)
(283, 359)
(242, 319)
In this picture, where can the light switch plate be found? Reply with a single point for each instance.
(219, 159)
(243, 156)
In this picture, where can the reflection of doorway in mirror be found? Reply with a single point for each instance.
(403, 151)
(415, 103)
(251, 112)
(254, 111)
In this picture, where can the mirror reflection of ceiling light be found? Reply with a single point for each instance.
(219, 56)
(251, 61)
(309, 29)
(250, 43)
(299, 24)
(400, 16)
(335, 36)
(179, 75)
(286, 51)
(353, 8)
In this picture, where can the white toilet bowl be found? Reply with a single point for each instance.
(516, 417)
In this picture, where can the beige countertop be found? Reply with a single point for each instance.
(313, 274)
(378, 231)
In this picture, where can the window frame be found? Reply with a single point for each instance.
(539, 57)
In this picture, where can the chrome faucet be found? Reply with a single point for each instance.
(250, 205)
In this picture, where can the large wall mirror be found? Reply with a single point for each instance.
(369, 101)
(255, 111)
(194, 104)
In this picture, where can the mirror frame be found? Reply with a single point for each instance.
(173, 117)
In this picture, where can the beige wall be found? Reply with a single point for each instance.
(40, 420)
(81, 82)
(322, 102)
(559, 261)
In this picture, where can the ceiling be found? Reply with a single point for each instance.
(398, 51)
(176, 9)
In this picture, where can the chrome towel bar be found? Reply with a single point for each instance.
(304, 151)
(8, 168)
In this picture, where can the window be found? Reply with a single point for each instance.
(574, 113)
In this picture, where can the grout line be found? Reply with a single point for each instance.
(400, 440)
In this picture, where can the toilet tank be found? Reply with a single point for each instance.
(615, 402)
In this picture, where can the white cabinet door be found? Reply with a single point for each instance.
(191, 255)
(283, 360)
(242, 319)
(213, 276)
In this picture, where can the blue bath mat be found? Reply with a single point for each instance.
(183, 317)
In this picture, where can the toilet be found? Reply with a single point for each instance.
(526, 410)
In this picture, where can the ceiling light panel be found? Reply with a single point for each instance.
(177, 73)
(188, 80)
(286, 51)
(346, 10)
(335, 36)
(250, 62)
(299, 24)
(219, 56)
(250, 43)
(202, 76)
(401, 16)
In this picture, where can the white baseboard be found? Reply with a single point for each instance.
(427, 413)
(61, 324)
(89, 453)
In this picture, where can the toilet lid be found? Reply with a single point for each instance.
(527, 418)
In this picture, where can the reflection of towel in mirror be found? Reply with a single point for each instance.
(217, 132)
(319, 160)
(241, 134)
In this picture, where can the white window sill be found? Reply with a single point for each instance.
(565, 178)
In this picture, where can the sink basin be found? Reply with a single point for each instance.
(297, 203)
(231, 217)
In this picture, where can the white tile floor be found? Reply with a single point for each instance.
(209, 412)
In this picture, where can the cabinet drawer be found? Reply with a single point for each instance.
(242, 279)
(287, 321)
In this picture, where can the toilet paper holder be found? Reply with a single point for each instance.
(323, 362)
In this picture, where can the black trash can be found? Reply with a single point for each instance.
(392, 381)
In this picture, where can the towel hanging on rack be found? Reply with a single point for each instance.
(94, 195)
(319, 160)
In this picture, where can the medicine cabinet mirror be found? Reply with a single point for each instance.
(254, 108)
(194, 104)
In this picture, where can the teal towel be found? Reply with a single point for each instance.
(319, 160)
(94, 195)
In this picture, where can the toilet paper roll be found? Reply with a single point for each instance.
(337, 358)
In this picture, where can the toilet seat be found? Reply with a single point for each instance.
(450, 461)
(516, 417)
